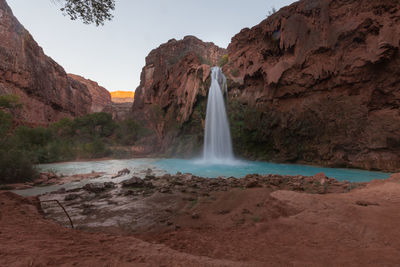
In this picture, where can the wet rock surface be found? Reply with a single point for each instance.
(140, 204)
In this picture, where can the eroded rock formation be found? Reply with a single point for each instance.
(173, 81)
(317, 82)
(101, 98)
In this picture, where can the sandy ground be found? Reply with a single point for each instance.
(267, 223)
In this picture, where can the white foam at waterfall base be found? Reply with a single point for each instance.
(217, 138)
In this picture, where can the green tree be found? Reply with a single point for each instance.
(10, 102)
(89, 11)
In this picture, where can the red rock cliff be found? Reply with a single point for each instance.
(172, 82)
(317, 82)
(101, 98)
(46, 91)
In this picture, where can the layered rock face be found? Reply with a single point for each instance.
(121, 106)
(44, 88)
(173, 82)
(317, 82)
(101, 98)
(122, 96)
(119, 111)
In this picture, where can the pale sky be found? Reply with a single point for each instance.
(113, 55)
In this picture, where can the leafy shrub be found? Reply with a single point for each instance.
(28, 138)
(63, 128)
(10, 102)
(128, 131)
(95, 149)
(224, 59)
(235, 72)
(98, 124)
(15, 166)
(5, 123)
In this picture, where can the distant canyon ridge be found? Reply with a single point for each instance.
(317, 82)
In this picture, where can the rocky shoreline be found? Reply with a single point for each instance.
(255, 220)
(104, 204)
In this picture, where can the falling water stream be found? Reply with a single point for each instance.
(217, 138)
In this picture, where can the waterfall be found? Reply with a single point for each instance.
(217, 138)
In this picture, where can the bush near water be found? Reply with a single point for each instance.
(91, 136)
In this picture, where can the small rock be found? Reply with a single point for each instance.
(52, 175)
(164, 190)
(86, 211)
(195, 216)
(187, 177)
(223, 212)
(297, 186)
(321, 177)
(252, 184)
(366, 203)
(134, 182)
(109, 185)
(129, 193)
(275, 181)
(52, 181)
(149, 171)
(246, 211)
(166, 176)
(149, 185)
(95, 187)
(71, 197)
(121, 172)
(124, 171)
(61, 190)
(189, 199)
(150, 177)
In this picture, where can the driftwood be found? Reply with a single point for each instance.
(66, 213)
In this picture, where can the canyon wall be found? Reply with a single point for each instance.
(121, 105)
(317, 82)
(174, 83)
(101, 98)
(45, 90)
